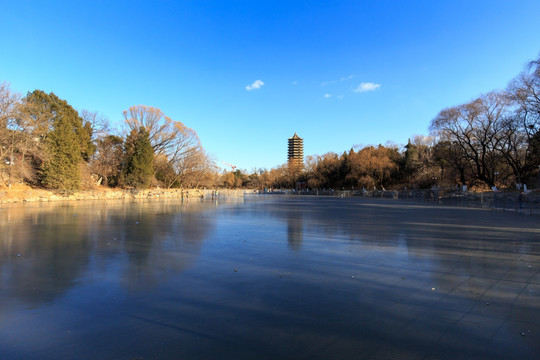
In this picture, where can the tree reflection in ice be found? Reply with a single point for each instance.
(46, 248)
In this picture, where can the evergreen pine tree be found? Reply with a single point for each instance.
(411, 160)
(138, 169)
(65, 143)
(62, 171)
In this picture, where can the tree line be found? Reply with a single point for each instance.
(45, 142)
(493, 140)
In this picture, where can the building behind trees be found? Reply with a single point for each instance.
(490, 142)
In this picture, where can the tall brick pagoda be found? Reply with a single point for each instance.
(296, 153)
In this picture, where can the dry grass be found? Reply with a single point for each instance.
(21, 191)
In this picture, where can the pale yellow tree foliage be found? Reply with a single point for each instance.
(371, 165)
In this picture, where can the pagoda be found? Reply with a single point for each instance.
(296, 153)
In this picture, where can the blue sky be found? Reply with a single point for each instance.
(247, 75)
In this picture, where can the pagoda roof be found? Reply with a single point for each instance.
(295, 136)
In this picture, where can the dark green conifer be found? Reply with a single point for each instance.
(138, 168)
(65, 142)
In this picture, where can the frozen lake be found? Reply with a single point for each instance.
(267, 278)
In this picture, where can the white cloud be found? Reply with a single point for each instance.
(363, 87)
(341, 79)
(295, 82)
(257, 84)
(345, 78)
(327, 96)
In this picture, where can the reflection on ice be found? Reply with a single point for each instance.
(267, 277)
(47, 249)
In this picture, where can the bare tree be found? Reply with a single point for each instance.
(522, 127)
(524, 90)
(453, 162)
(99, 124)
(192, 169)
(162, 129)
(476, 128)
(107, 161)
(8, 100)
(9, 136)
(180, 157)
(515, 146)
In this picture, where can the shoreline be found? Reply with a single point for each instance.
(505, 201)
(25, 195)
